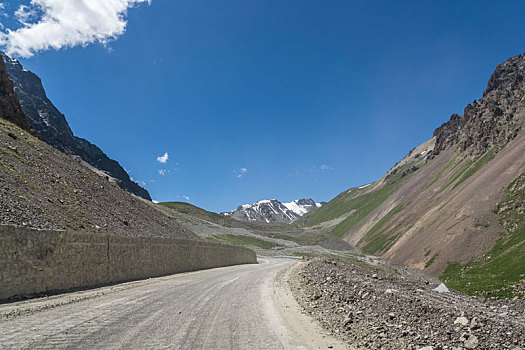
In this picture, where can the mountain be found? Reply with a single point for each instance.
(273, 211)
(42, 187)
(455, 204)
(52, 127)
(10, 108)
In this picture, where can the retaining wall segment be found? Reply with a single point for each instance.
(42, 261)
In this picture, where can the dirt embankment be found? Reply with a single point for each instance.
(395, 308)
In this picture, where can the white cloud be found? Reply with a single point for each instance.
(185, 197)
(24, 14)
(163, 159)
(66, 23)
(164, 172)
(321, 168)
(240, 173)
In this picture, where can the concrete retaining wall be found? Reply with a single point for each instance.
(39, 261)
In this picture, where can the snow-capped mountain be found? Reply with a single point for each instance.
(271, 210)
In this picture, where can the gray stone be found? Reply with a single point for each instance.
(472, 342)
(462, 320)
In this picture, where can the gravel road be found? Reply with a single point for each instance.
(239, 307)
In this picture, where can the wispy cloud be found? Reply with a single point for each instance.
(322, 168)
(55, 24)
(164, 172)
(25, 14)
(240, 173)
(163, 159)
(185, 197)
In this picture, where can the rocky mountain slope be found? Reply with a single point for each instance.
(52, 127)
(439, 204)
(9, 105)
(271, 210)
(42, 187)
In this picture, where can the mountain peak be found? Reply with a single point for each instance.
(272, 210)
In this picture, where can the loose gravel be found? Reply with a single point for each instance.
(394, 308)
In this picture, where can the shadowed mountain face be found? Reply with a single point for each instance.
(52, 127)
(440, 204)
(10, 108)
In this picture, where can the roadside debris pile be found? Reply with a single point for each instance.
(394, 308)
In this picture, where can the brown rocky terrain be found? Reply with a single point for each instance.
(396, 308)
(44, 188)
(10, 108)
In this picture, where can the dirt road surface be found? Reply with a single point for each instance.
(239, 307)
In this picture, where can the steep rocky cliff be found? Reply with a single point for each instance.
(494, 120)
(9, 105)
(52, 127)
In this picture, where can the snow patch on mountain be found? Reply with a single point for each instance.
(271, 210)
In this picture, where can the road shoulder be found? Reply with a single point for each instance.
(296, 329)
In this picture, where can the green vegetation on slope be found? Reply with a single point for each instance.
(464, 167)
(480, 163)
(378, 241)
(494, 274)
(451, 165)
(357, 203)
(467, 169)
(361, 206)
(244, 241)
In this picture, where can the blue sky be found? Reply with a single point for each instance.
(267, 99)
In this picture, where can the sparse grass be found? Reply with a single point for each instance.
(451, 165)
(358, 203)
(458, 174)
(480, 163)
(379, 241)
(244, 241)
(490, 276)
(495, 273)
(431, 260)
(362, 206)
(482, 224)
